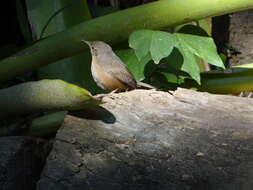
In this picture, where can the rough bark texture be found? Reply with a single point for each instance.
(241, 40)
(146, 139)
(21, 161)
(241, 37)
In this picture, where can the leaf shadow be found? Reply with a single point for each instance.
(96, 113)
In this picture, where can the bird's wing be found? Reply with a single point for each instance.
(121, 72)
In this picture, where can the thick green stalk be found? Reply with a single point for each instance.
(46, 125)
(43, 95)
(115, 28)
(48, 18)
(43, 126)
(229, 81)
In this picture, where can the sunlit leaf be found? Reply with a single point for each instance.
(203, 47)
(158, 44)
(192, 48)
(135, 66)
(140, 41)
(190, 64)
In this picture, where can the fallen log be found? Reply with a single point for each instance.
(147, 139)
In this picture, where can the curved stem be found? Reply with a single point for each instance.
(115, 28)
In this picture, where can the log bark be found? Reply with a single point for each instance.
(146, 139)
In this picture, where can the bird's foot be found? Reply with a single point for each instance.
(115, 90)
(101, 96)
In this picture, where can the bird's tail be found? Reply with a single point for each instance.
(145, 85)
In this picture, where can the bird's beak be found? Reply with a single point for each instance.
(87, 42)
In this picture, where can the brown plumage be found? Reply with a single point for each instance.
(109, 72)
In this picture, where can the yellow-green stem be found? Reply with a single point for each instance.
(115, 28)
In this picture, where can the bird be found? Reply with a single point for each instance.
(108, 70)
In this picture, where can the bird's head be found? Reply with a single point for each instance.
(98, 47)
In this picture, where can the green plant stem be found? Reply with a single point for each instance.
(229, 81)
(46, 125)
(43, 95)
(42, 126)
(115, 28)
(49, 18)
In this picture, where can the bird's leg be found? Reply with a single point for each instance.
(115, 90)
(101, 96)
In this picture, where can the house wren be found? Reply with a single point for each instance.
(108, 71)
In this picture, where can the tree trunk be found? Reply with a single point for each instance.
(146, 139)
(241, 38)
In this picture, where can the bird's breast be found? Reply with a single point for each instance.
(104, 79)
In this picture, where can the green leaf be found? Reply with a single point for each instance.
(170, 77)
(190, 64)
(191, 46)
(158, 44)
(149, 70)
(46, 125)
(201, 46)
(192, 29)
(161, 46)
(223, 57)
(23, 22)
(140, 41)
(182, 59)
(174, 60)
(135, 66)
(164, 81)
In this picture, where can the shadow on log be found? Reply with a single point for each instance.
(146, 139)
